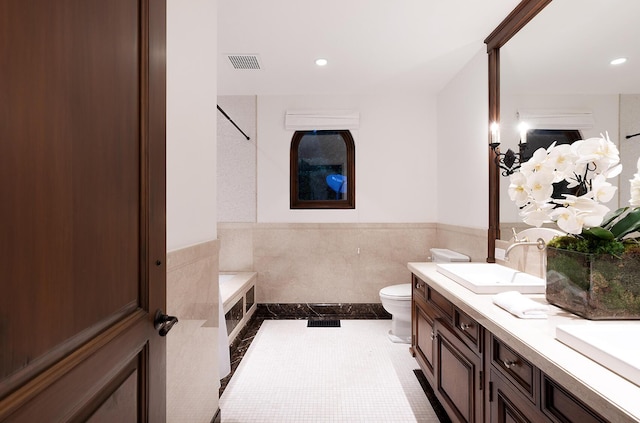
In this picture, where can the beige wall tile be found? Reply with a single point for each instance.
(469, 241)
(236, 247)
(330, 262)
(192, 345)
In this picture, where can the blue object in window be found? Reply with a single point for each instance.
(338, 183)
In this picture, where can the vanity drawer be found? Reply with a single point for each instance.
(515, 368)
(467, 329)
(419, 288)
(559, 405)
(439, 304)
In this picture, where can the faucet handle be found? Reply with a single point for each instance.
(515, 236)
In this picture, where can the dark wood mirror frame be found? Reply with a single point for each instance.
(517, 19)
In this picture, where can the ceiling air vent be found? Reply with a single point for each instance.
(244, 61)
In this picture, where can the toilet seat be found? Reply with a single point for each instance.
(397, 292)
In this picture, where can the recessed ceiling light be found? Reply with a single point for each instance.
(618, 61)
(321, 62)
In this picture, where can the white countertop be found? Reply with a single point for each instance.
(614, 397)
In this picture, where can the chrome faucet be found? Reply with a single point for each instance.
(515, 236)
(540, 243)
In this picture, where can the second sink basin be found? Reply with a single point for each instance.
(491, 278)
(615, 345)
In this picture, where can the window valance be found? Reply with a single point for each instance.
(322, 119)
(556, 118)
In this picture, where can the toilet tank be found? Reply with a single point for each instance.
(443, 255)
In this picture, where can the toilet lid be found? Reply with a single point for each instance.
(402, 291)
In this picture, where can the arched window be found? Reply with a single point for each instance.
(322, 174)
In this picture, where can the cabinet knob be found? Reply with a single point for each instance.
(433, 335)
(418, 285)
(464, 326)
(509, 363)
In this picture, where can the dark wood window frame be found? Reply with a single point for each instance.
(347, 203)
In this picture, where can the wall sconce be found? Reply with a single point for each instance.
(510, 161)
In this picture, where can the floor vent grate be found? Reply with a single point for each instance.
(323, 323)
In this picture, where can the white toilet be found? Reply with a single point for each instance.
(396, 299)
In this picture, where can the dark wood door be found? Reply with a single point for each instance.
(82, 210)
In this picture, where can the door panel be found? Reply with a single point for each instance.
(82, 189)
(457, 376)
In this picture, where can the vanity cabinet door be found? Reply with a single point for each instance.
(424, 336)
(458, 374)
(507, 404)
(561, 406)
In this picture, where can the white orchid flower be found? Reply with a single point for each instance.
(540, 185)
(518, 191)
(612, 172)
(567, 219)
(635, 192)
(561, 158)
(584, 210)
(536, 163)
(635, 188)
(586, 164)
(600, 151)
(601, 190)
(535, 214)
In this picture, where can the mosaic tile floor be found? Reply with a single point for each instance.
(292, 373)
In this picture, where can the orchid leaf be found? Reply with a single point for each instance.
(612, 216)
(626, 225)
(598, 232)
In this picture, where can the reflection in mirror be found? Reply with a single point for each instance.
(322, 170)
(555, 73)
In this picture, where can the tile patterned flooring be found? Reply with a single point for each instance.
(294, 374)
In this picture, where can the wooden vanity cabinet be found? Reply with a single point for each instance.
(448, 345)
(477, 377)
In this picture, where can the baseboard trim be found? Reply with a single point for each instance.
(366, 311)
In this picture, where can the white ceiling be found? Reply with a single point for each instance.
(568, 46)
(415, 45)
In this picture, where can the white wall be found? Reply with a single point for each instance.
(192, 359)
(191, 122)
(395, 158)
(463, 114)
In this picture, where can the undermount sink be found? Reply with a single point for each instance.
(615, 346)
(491, 278)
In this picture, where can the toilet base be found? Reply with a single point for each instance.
(400, 330)
(398, 339)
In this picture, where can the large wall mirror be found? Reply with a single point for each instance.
(552, 59)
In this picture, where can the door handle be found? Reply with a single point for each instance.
(163, 322)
